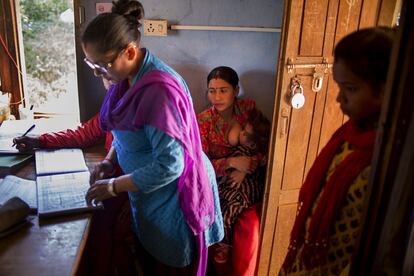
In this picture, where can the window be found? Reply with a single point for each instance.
(38, 54)
(49, 63)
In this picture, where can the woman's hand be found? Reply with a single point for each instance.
(236, 177)
(102, 170)
(26, 143)
(97, 192)
(243, 163)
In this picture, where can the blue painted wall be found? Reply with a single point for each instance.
(194, 53)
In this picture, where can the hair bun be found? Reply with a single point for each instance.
(131, 9)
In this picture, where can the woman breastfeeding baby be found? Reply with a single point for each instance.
(234, 136)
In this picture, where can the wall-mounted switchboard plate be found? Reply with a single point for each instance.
(103, 7)
(155, 27)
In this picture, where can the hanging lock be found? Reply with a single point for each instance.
(298, 99)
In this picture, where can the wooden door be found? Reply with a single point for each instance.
(311, 28)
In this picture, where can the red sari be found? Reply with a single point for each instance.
(213, 130)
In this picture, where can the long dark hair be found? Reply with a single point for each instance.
(366, 54)
(112, 32)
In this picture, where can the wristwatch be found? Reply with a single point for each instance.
(110, 187)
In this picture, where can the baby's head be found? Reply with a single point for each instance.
(254, 135)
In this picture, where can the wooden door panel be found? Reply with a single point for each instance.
(293, 37)
(333, 116)
(284, 223)
(313, 28)
(348, 18)
(299, 133)
(331, 20)
(313, 146)
(370, 18)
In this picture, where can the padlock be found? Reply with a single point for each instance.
(298, 99)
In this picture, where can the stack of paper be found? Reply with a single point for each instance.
(10, 163)
(15, 128)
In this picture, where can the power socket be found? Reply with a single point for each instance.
(155, 27)
(103, 7)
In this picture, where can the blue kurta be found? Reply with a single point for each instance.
(156, 160)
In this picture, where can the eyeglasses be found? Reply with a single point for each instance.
(103, 68)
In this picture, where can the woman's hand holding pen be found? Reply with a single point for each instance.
(26, 143)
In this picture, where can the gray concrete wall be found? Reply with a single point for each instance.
(194, 53)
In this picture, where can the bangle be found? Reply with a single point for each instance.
(110, 187)
(114, 188)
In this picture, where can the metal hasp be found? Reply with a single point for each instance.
(292, 66)
(320, 70)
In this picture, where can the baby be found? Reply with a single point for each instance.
(241, 190)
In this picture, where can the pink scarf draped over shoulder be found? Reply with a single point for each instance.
(159, 100)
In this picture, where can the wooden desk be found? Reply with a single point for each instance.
(54, 248)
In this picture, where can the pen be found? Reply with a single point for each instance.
(27, 131)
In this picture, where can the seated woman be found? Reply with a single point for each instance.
(226, 115)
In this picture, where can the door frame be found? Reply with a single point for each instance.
(388, 233)
(11, 79)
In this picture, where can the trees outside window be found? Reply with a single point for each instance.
(50, 82)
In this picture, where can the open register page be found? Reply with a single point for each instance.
(62, 182)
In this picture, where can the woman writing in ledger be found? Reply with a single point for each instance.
(170, 183)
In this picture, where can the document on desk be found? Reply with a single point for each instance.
(10, 129)
(63, 194)
(25, 189)
(62, 182)
(59, 161)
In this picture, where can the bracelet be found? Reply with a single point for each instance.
(114, 188)
(110, 187)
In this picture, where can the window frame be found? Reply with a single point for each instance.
(11, 80)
